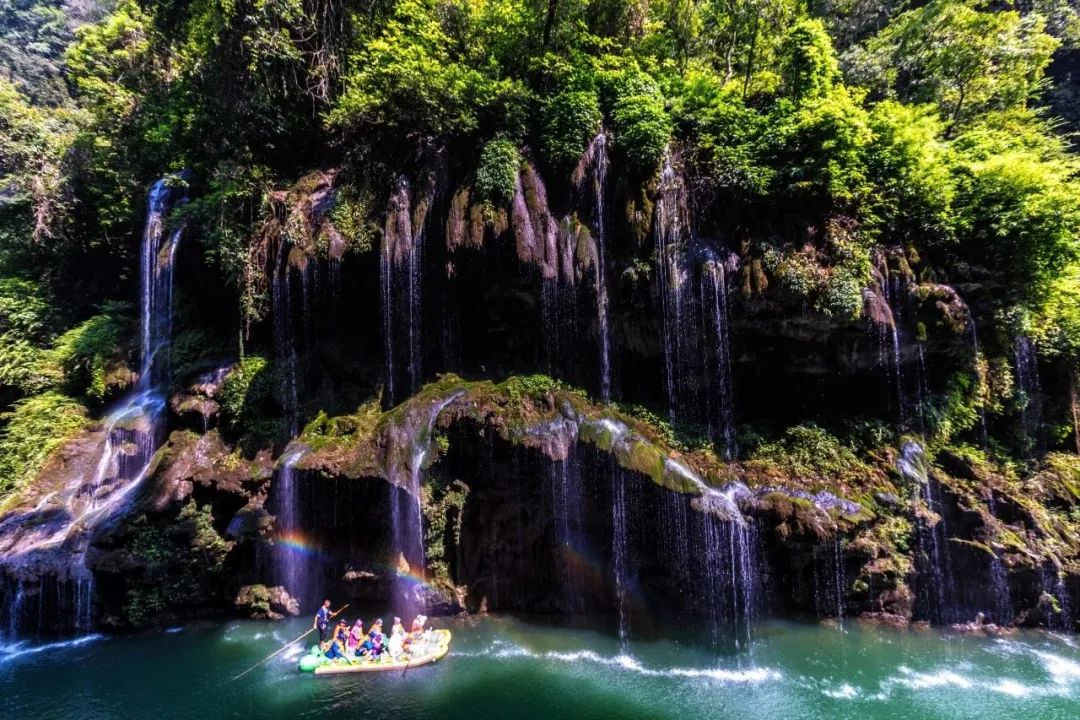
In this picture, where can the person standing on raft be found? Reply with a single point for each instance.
(322, 621)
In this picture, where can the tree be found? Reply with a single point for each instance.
(964, 58)
(807, 61)
(410, 77)
(33, 37)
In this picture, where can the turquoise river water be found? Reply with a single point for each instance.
(502, 667)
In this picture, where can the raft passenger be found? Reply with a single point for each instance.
(373, 646)
(356, 637)
(418, 630)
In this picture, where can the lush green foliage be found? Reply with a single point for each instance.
(570, 119)
(497, 171)
(34, 428)
(87, 354)
(245, 396)
(33, 37)
(961, 56)
(178, 562)
(809, 451)
(811, 135)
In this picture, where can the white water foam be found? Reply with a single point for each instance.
(14, 651)
(935, 679)
(1061, 670)
(949, 679)
(844, 692)
(1008, 686)
(753, 675)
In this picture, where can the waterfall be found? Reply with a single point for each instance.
(1053, 583)
(715, 307)
(729, 580)
(999, 578)
(891, 339)
(724, 574)
(671, 221)
(401, 283)
(567, 501)
(745, 571)
(51, 539)
(291, 566)
(829, 580)
(600, 170)
(1030, 392)
(999, 583)
(922, 388)
(284, 338)
(620, 551)
(559, 315)
(408, 455)
(937, 598)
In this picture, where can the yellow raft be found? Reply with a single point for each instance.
(435, 646)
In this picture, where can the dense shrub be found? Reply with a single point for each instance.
(570, 119)
(497, 172)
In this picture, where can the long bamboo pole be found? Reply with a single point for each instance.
(285, 647)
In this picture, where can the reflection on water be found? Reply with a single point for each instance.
(500, 666)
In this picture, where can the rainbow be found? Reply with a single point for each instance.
(300, 544)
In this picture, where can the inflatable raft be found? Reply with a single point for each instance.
(433, 647)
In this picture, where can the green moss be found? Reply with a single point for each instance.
(258, 597)
(354, 217)
(528, 387)
(645, 458)
(35, 427)
(323, 429)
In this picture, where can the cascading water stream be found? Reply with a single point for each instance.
(1053, 583)
(922, 388)
(51, 539)
(401, 283)
(729, 579)
(715, 308)
(892, 289)
(670, 224)
(600, 171)
(999, 577)
(620, 549)
(290, 564)
(913, 466)
(999, 583)
(409, 455)
(567, 501)
(838, 578)
(726, 576)
(284, 337)
(1027, 382)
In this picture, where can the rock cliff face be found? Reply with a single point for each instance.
(523, 486)
(815, 448)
